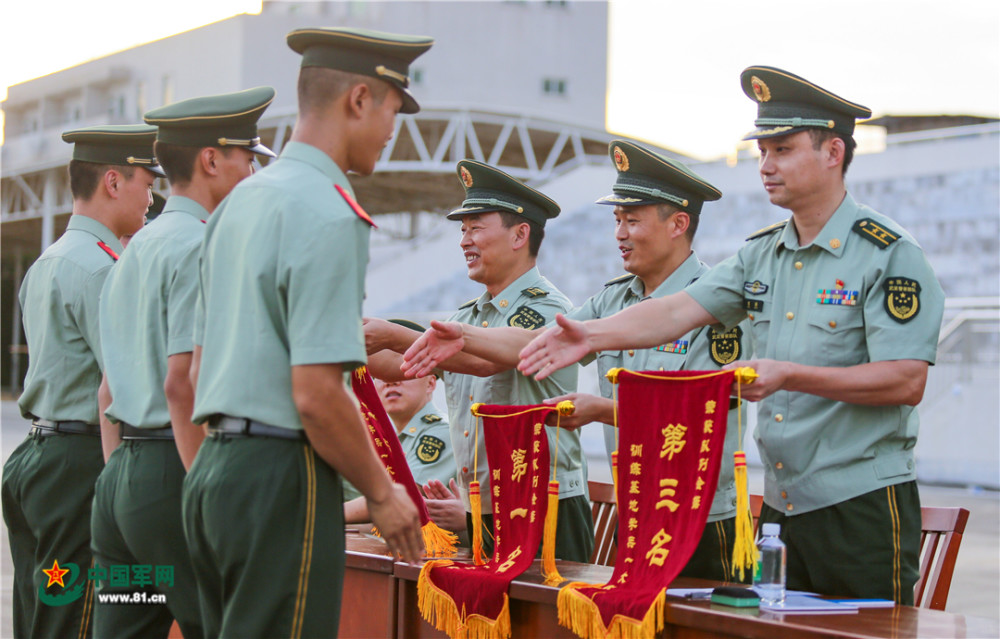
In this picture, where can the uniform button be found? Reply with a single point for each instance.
(485, 324)
(465, 469)
(833, 324)
(798, 266)
(789, 507)
(750, 315)
(413, 429)
(909, 465)
(779, 465)
(779, 418)
(661, 368)
(466, 433)
(470, 398)
(784, 495)
(631, 353)
(790, 315)
(503, 303)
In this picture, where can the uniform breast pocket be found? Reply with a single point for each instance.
(838, 336)
(759, 311)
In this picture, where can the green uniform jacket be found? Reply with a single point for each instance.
(531, 302)
(426, 442)
(59, 301)
(692, 352)
(861, 292)
(304, 310)
(147, 311)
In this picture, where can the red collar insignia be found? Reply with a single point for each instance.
(354, 205)
(107, 249)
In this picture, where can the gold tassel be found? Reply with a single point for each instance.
(476, 501)
(581, 615)
(552, 576)
(744, 550)
(438, 541)
(614, 472)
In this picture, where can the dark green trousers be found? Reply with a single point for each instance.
(136, 520)
(264, 520)
(865, 547)
(48, 487)
(574, 531)
(713, 558)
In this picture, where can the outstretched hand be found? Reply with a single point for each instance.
(558, 347)
(445, 506)
(438, 343)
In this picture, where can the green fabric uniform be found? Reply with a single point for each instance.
(530, 301)
(48, 482)
(694, 351)
(861, 292)
(426, 442)
(137, 502)
(282, 283)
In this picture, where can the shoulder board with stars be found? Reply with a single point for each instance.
(620, 279)
(430, 418)
(469, 303)
(874, 232)
(767, 230)
(534, 292)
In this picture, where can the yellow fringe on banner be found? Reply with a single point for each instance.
(476, 500)
(439, 610)
(614, 472)
(744, 550)
(581, 615)
(438, 541)
(552, 576)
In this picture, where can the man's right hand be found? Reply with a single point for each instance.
(445, 506)
(441, 341)
(586, 409)
(559, 346)
(398, 521)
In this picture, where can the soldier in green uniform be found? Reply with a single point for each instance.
(502, 229)
(423, 434)
(277, 328)
(48, 481)
(205, 145)
(658, 206)
(845, 312)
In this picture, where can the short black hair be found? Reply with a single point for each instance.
(317, 86)
(178, 160)
(535, 232)
(819, 136)
(665, 210)
(84, 177)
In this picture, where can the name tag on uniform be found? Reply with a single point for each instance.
(680, 347)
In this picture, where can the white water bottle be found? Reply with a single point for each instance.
(769, 578)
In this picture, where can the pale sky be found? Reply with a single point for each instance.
(673, 67)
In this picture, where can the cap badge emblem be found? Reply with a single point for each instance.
(760, 89)
(621, 160)
(466, 177)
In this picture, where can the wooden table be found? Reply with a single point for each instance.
(380, 600)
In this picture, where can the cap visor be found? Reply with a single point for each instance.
(260, 149)
(409, 102)
(773, 132)
(469, 210)
(156, 170)
(624, 200)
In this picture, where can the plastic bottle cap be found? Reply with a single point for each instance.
(771, 530)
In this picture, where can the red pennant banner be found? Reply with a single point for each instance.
(439, 542)
(466, 600)
(671, 428)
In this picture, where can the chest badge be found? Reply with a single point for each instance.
(680, 347)
(839, 295)
(429, 449)
(755, 287)
(725, 346)
(902, 298)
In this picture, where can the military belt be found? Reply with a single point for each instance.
(239, 427)
(47, 428)
(130, 432)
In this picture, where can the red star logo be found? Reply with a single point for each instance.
(55, 574)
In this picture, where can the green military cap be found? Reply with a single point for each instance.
(386, 56)
(488, 189)
(156, 207)
(645, 177)
(788, 104)
(229, 119)
(118, 144)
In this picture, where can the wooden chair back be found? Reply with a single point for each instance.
(940, 537)
(756, 501)
(605, 512)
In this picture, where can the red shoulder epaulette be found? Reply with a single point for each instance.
(107, 249)
(354, 205)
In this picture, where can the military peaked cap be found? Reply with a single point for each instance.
(645, 177)
(488, 189)
(386, 56)
(117, 144)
